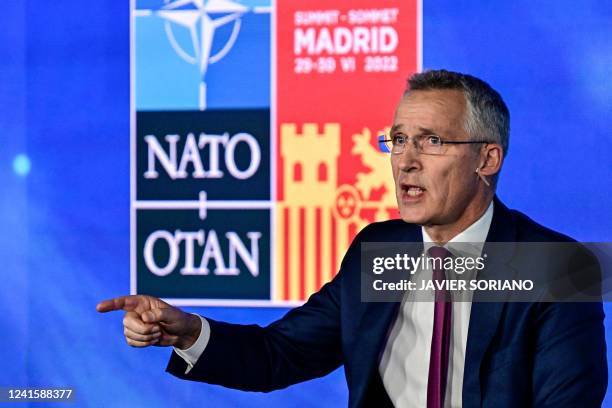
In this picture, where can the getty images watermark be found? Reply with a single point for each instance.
(486, 272)
(457, 265)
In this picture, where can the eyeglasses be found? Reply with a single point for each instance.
(426, 144)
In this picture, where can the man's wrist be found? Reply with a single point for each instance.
(194, 327)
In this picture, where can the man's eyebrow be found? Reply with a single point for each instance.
(395, 128)
(426, 131)
(422, 130)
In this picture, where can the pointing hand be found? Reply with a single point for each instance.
(150, 321)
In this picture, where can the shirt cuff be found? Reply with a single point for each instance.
(193, 353)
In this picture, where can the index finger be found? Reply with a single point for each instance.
(127, 303)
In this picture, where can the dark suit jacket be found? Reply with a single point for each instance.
(518, 354)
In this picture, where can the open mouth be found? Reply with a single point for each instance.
(412, 190)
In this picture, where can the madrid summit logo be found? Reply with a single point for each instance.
(235, 201)
(182, 46)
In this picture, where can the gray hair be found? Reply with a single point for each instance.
(488, 117)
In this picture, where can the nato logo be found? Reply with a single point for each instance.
(201, 54)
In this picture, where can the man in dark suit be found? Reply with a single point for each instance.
(447, 145)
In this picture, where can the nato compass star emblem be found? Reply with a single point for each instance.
(201, 18)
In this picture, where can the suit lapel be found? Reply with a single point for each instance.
(374, 326)
(485, 316)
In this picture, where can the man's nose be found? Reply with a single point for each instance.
(409, 159)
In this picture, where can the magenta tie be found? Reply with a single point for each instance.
(440, 338)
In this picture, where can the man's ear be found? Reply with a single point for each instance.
(491, 158)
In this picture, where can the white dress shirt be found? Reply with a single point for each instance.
(404, 366)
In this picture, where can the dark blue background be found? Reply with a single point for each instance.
(64, 228)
